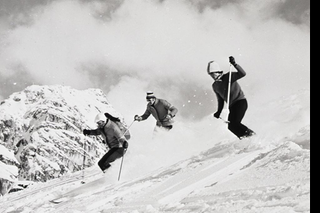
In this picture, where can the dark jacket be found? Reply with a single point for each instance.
(220, 87)
(160, 109)
(111, 133)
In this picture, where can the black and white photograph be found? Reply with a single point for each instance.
(155, 106)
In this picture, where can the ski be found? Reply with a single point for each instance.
(60, 200)
(79, 190)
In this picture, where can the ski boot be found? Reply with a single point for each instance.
(248, 133)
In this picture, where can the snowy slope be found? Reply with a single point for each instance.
(223, 179)
(266, 173)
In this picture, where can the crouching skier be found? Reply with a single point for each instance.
(115, 136)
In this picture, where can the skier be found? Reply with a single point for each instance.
(161, 110)
(115, 136)
(237, 103)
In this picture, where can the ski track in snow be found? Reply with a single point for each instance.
(199, 184)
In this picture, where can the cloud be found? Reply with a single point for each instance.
(159, 45)
(52, 47)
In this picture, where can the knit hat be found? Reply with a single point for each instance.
(150, 95)
(214, 67)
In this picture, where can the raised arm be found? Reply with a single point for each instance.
(240, 74)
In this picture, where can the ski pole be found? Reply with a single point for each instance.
(228, 97)
(124, 151)
(84, 159)
(226, 121)
(229, 87)
(129, 127)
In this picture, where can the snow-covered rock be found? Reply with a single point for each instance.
(41, 127)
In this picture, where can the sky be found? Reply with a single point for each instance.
(128, 47)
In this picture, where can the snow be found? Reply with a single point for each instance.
(196, 167)
(7, 171)
(6, 153)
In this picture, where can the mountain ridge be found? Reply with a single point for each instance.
(43, 125)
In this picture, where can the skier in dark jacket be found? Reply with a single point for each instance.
(161, 110)
(237, 103)
(114, 135)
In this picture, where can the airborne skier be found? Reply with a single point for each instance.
(115, 136)
(237, 102)
(161, 110)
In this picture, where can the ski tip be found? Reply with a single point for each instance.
(59, 200)
(54, 201)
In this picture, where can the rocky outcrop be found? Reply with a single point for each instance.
(42, 126)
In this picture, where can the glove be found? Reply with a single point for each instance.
(217, 115)
(125, 144)
(232, 61)
(137, 118)
(169, 117)
(86, 132)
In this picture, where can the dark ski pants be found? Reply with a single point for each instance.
(236, 114)
(112, 155)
